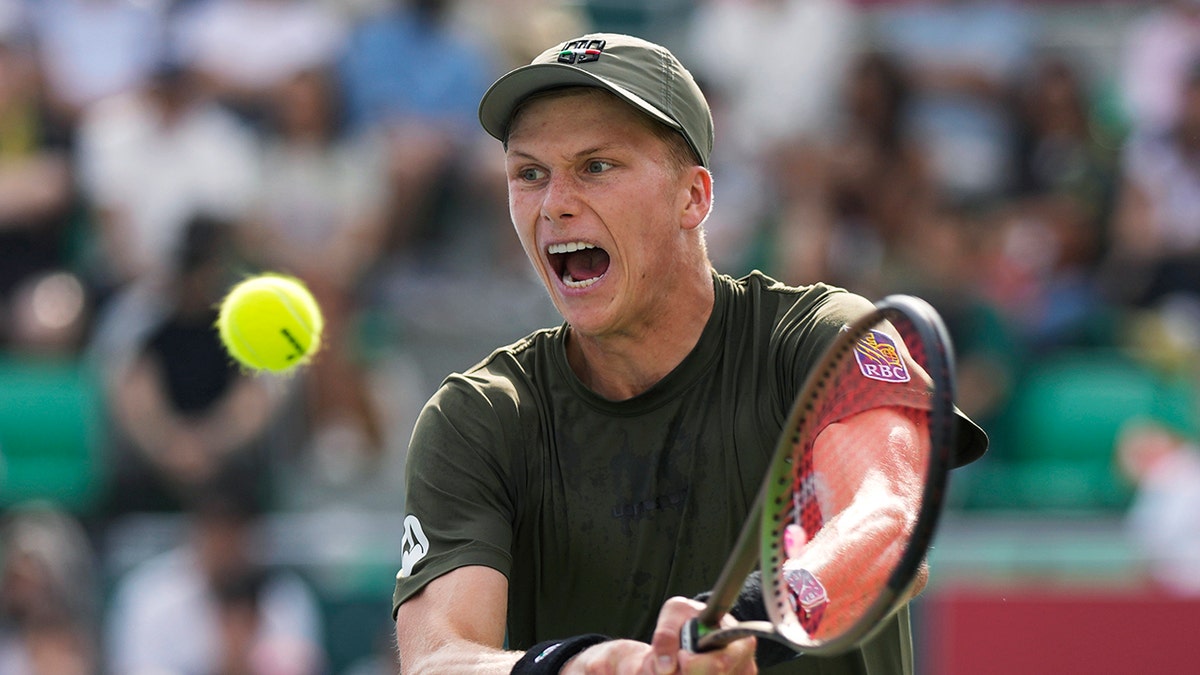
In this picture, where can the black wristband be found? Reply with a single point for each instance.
(749, 605)
(547, 658)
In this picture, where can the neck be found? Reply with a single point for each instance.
(622, 366)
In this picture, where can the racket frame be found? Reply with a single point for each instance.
(762, 535)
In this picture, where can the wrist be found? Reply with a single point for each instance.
(807, 596)
(549, 657)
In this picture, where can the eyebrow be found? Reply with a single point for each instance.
(582, 153)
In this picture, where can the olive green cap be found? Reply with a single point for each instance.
(646, 75)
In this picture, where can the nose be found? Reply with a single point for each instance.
(561, 199)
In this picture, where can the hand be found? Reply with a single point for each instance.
(667, 656)
(615, 657)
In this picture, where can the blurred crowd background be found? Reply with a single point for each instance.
(1031, 167)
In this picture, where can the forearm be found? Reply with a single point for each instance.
(570, 656)
(456, 624)
(458, 657)
(869, 504)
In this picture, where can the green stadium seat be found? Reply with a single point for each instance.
(50, 433)
(1063, 424)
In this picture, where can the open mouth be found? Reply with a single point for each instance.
(577, 263)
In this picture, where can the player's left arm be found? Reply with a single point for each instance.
(871, 498)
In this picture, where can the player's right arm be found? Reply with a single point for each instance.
(456, 625)
(452, 592)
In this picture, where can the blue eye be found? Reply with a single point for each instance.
(530, 174)
(598, 166)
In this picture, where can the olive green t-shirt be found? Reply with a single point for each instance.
(597, 511)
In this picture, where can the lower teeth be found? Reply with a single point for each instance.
(572, 283)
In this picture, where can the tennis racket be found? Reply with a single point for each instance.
(852, 497)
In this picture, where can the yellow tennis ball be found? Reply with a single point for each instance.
(270, 322)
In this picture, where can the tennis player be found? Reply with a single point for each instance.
(566, 495)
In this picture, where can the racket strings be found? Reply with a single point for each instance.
(866, 373)
(849, 505)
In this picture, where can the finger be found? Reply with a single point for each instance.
(794, 539)
(615, 656)
(736, 658)
(665, 643)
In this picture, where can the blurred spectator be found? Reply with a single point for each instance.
(521, 28)
(151, 158)
(410, 62)
(803, 231)
(866, 213)
(851, 202)
(946, 259)
(319, 215)
(880, 176)
(771, 70)
(1054, 230)
(244, 49)
(778, 65)
(1160, 49)
(1164, 519)
(964, 57)
(800, 235)
(186, 418)
(879, 179)
(1064, 153)
(93, 49)
(411, 73)
(211, 605)
(49, 595)
(1156, 247)
(51, 316)
(35, 181)
(322, 191)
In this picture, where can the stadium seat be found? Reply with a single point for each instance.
(50, 433)
(1063, 424)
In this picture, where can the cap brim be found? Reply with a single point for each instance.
(502, 98)
(972, 440)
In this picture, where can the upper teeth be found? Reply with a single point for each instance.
(569, 247)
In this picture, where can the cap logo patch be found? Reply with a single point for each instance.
(879, 359)
(581, 51)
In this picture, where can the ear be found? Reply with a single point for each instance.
(698, 195)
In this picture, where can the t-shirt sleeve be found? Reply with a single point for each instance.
(806, 331)
(458, 506)
(806, 339)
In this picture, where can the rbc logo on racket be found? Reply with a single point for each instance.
(879, 359)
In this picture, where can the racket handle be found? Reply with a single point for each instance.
(697, 638)
(689, 637)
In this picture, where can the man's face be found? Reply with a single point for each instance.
(599, 207)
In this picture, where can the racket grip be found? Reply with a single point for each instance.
(696, 637)
(689, 637)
